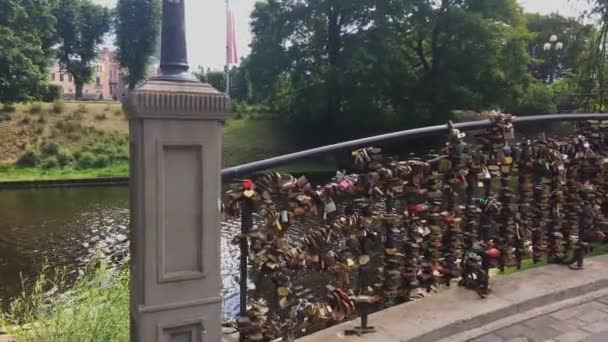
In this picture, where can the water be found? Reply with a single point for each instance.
(64, 227)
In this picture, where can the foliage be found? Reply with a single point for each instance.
(536, 100)
(137, 27)
(26, 36)
(79, 37)
(35, 107)
(95, 308)
(373, 64)
(4, 116)
(31, 157)
(553, 64)
(58, 106)
(51, 93)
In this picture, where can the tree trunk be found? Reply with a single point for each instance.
(79, 85)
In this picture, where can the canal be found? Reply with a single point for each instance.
(64, 227)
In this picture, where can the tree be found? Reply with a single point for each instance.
(26, 37)
(571, 33)
(137, 26)
(349, 68)
(79, 37)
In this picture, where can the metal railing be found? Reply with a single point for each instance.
(261, 165)
(246, 208)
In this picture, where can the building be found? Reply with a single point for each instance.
(107, 82)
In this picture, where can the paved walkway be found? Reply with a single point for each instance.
(551, 303)
(583, 322)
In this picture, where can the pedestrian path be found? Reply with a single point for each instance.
(534, 305)
(586, 322)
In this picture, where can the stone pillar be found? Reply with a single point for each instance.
(175, 132)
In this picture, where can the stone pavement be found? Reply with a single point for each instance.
(538, 305)
(586, 322)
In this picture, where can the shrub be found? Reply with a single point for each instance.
(35, 107)
(9, 108)
(26, 120)
(101, 160)
(51, 148)
(5, 116)
(41, 118)
(118, 112)
(51, 93)
(64, 157)
(58, 106)
(31, 157)
(81, 109)
(49, 162)
(39, 130)
(85, 160)
(538, 99)
(107, 108)
(101, 117)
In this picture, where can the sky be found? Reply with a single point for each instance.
(206, 25)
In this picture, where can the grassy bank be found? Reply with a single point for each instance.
(72, 140)
(96, 308)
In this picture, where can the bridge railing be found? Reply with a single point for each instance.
(423, 222)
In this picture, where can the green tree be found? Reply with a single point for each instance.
(137, 27)
(79, 37)
(26, 36)
(553, 64)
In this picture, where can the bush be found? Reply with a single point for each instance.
(8, 108)
(49, 162)
(31, 157)
(51, 93)
(107, 108)
(5, 116)
(85, 160)
(94, 308)
(35, 107)
(537, 100)
(101, 161)
(41, 118)
(64, 157)
(81, 109)
(26, 120)
(51, 148)
(58, 106)
(101, 117)
(118, 112)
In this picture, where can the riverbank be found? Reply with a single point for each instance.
(18, 178)
(88, 140)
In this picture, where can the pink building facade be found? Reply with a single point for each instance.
(107, 82)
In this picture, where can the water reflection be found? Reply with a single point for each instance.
(64, 227)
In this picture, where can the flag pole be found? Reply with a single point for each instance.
(228, 42)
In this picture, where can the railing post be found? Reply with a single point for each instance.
(175, 125)
(246, 225)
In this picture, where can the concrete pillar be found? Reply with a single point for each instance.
(175, 133)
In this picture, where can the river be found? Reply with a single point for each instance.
(65, 226)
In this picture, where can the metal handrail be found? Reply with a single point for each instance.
(249, 168)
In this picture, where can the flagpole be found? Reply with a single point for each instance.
(228, 28)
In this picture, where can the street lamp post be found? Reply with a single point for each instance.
(553, 46)
(175, 125)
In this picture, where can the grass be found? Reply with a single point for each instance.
(95, 308)
(13, 173)
(101, 129)
(528, 264)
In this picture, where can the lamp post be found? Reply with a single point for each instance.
(553, 46)
(175, 126)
